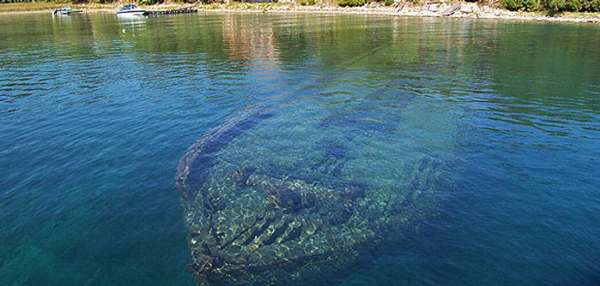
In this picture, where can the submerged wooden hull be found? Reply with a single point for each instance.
(248, 224)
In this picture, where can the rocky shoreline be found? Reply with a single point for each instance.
(433, 9)
(465, 10)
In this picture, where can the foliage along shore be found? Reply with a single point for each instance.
(467, 10)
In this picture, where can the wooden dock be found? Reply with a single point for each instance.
(172, 11)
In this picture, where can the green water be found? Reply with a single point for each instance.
(474, 146)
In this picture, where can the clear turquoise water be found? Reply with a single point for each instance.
(95, 113)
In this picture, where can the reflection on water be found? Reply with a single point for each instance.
(252, 40)
(348, 150)
(132, 24)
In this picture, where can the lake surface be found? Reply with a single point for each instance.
(96, 112)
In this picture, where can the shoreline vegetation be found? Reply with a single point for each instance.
(471, 10)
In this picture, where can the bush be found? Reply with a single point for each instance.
(521, 5)
(592, 6)
(351, 2)
(307, 2)
(572, 5)
(147, 2)
(389, 2)
(553, 6)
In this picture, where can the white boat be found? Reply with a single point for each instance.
(131, 9)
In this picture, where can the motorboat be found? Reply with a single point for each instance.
(131, 10)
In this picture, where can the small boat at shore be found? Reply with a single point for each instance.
(65, 11)
(131, 10)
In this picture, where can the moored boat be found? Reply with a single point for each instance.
(65, 11)
(131, 10)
